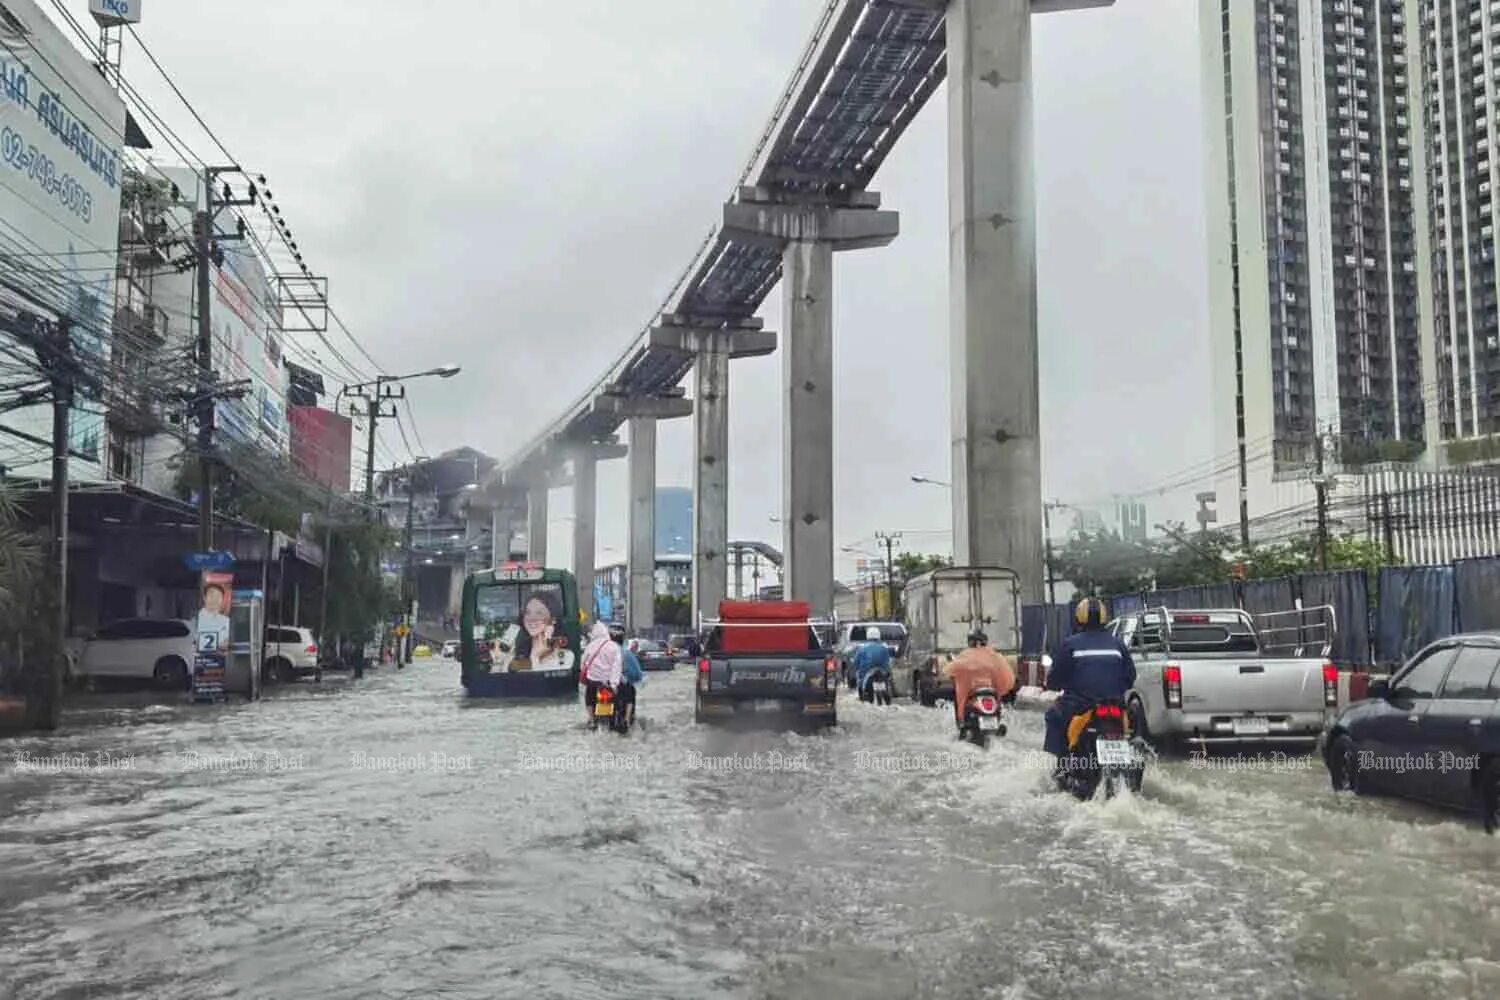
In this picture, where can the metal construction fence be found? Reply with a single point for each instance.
(1380, 621)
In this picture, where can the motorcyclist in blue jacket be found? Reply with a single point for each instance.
(631, 674)
(1091, 666)
(870, 656)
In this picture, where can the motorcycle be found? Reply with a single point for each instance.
(1102, 752)
(981, 717)
(876, 688)
(611, 711)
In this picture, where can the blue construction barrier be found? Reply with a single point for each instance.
(1348, 591)
(1266, 596)
(1476, 586)
(1416, 608)
(1033, 629)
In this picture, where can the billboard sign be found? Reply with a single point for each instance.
(247, 345)
(212, 633)
(113, 13)
(61, 129)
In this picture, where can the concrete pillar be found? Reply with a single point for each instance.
(710, 481)
(585, 504)
(997, 494)
(536, 524)
(640, 605)
(500, 532)
(807, 423)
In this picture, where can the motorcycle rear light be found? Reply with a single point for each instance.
(703, 665)
(604, 694)
(1108, 712)
(1171, 684)
(986, 704)
(830, 665)
(1330, 685)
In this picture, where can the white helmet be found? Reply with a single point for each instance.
(872, 634)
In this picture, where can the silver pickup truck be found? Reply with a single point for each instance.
(1221, 676)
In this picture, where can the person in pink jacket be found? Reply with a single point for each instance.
(601, 666)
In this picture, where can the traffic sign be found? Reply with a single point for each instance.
(198, 562)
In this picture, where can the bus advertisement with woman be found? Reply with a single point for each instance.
(520, 632)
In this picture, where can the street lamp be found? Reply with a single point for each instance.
(373, 413)
(931, 482)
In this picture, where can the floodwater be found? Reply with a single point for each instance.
(387, 839)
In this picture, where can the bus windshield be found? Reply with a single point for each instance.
(521, 625)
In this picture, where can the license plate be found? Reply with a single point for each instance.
(989, 722)
(604, 708)
(1114, 753)
(878, 685)
(767, 705)
(1252, 727)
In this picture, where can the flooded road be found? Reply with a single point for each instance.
(387, 839)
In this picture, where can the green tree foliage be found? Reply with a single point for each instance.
(1104, 563)
(359, 600)
(674, 611)
(911, 564)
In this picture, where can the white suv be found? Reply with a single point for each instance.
(289, 653)
(155, 649)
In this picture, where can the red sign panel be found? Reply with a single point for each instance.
(320, 445)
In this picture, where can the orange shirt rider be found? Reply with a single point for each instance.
(976, 667)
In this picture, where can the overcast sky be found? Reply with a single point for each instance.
(515, 184)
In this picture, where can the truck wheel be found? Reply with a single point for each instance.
(927, 697)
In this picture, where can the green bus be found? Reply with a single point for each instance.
(522, 633)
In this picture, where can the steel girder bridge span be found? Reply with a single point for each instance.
(868, 69)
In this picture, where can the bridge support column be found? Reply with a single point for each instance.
(710, 479)
(807, 423)
(640, 605)
(536, 523)
(997, 495)
(585, 507)
(499, 535)
(808, 235)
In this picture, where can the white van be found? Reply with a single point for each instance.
(159, 650)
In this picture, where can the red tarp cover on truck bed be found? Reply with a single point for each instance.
(762, 631)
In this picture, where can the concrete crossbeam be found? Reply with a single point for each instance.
(640, 603)
(775, 224)
(997, 495)
(737, 343)
(654, 407)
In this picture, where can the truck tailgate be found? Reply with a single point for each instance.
(796, 675)
(1252, 684)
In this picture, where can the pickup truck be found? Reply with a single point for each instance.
(1221, 676)
(765, 658)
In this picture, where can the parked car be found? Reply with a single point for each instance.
(1432, 732)
(159, 650)
(653, 655)
(289, 653)
(1212, 676)
(450, 649)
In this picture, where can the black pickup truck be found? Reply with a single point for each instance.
(766, 658)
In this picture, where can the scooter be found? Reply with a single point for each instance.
(1102, 753)
(876, 688)
(981, 718)
(612, 712)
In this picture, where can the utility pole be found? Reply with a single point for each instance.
(62, 375)
(1047, 539)
(890, 541)
(408, 582)
(1321, 486)
(375, 411)
(1387, 528)
(206, 241)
